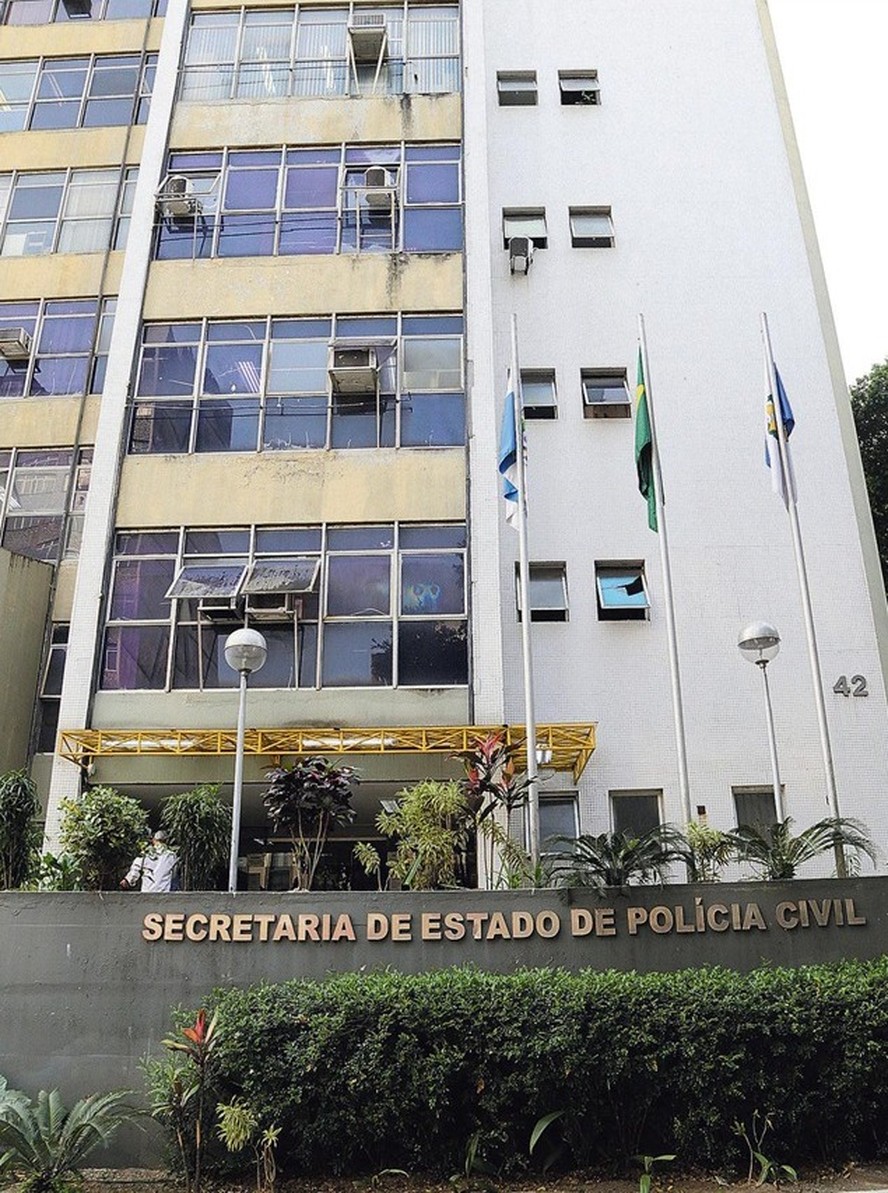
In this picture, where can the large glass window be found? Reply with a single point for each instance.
(54, 93)
(64, 211)
(346, 50)
(41, 501)
(340, 606)
(52, 348)
(296, 384)
(44, 12)
(290, 202)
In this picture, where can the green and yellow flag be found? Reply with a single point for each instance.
(644, 447)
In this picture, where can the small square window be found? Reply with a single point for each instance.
(525, 221)
(515, 88)
(622, 593)
(755, 806)
(538, 393)
(548, 592)
(605, 393)
(591, 228)
(635, 812)
(558, 819)
(579, 87)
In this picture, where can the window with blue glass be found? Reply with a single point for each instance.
(347, 50)
(42, 497)
(54, 347)
(274, 384)
(292, 202)
(45, 12)
(64, 211)
(87, 92)
(342, 606)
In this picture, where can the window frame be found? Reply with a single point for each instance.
(536, 228)
(517, 88)
(66, 508)
(598, 378)
(540, 411)
(559, 797)
(641, 793)
(548, 612)
(67, 180)
(55, 8)
(35, 322)
(629, 611)
(591, 239)
(587, 97)
(759, 792)
(144, 63)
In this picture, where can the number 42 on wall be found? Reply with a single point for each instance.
(857, 687)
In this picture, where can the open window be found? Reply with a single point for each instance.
(367, 49)
(370, 202)
(591, 228)
(528, 222)
(538, 393)
(605, 393)
(622, 592)
(579, 87)
(516, 88)
(274, 587)
(215, 587)
(548, 592)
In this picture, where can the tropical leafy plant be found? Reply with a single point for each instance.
(51, 873)
(198, 824)
(102, 832)
(308, 800)
(647, 1170)
(492, 784)
(172, 1084)
(238, 1126)
(776, 853)
(19, 834)
(754, 1137)
(196, 1046)
(432, 827)
(618, 859)
(709, 851)
(47, 1143)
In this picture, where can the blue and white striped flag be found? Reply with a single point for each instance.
(783, 485)
(508, 457)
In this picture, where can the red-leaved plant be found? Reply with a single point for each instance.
(197, 1045)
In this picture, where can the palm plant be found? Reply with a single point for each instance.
(618, 859)
(48, 1143)
(776, 853)
(308, 800)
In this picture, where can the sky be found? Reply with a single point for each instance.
(833, 54)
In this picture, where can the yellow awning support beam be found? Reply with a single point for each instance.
(563, 747)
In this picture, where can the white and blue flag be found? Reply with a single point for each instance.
(508, 456)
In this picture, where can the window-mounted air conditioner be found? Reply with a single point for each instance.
(367, 34)
(379, 192)
(520, 254)
(176, 198)
(271, 606)
(217, 609)
(15, 343)
(353, 370)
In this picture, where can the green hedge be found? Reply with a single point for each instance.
(377, 1070)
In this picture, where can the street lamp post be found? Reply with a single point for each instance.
(760, 642)
(245, 652)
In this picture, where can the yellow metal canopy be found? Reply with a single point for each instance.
(562, 747)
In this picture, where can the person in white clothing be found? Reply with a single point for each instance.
(155, 870)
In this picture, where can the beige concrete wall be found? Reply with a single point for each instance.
(63, 598)
(303, 121)
(24, 598)
(251, 286)
(77, 37)
(47, 422)
(60, 275)
(52, 150)
(283, 488)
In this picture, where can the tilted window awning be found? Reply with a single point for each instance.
(563, 747)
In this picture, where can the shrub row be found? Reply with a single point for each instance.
(384, 1069)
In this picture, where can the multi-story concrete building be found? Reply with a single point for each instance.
(254, 325)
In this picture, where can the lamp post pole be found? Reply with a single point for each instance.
(245, 652)
(760, 642)
(762, 664)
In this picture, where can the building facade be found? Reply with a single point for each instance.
(259, 270)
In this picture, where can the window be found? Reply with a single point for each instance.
(605, 393)
(64, 211)
(548, 592)
(44, 12)
(538, 393)
(265, 385)
(51, 347)
(51, 690)
(622, 595)
(579, 87)
(271, 53)
(341, 199)
(558, 818)
(356, 606)
(55, 93)
(516, 87)
(635, 812)
(591, 228)
(42, 494)
(529, 221)
(755, 806)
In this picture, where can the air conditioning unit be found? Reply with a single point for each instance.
(176, 198)
(353, 370)
(379, 190)
(367, 34)
(15, 343)
(217, 609)
(520, 254)
(271, 606)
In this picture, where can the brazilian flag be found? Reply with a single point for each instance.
(644, 447)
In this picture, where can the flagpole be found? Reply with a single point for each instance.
(533, 799)
(671, 637)
(810, 634)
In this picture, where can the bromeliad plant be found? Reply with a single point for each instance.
(197, 1048)
(47, 1144)
(308, 800)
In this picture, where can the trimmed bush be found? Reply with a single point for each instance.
(384, 1069)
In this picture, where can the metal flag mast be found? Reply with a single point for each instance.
(671, 637)
(801, 569)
